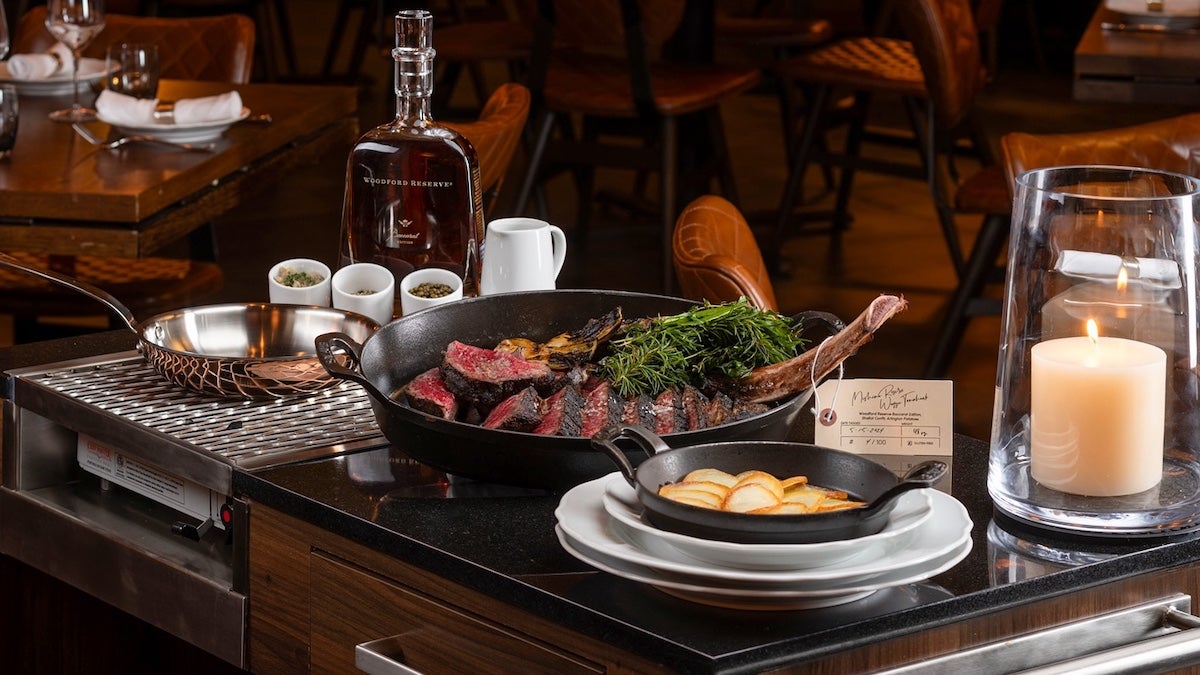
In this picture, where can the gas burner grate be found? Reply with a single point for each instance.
(251, 434)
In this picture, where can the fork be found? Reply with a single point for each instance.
(112, 145)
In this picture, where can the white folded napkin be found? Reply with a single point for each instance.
(57, 59)
(117, 108)
(1170, 8)
(217, 108)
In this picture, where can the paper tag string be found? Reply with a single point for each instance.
(825, 416)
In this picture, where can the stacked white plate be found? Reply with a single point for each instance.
(600, 522)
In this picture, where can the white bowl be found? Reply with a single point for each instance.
(366, 288)
(317, 294)
(410, 303)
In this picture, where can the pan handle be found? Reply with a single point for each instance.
(332, 345)
(606, 442)
(924, 475)
(87, 289)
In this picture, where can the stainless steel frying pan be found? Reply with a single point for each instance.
(249, 350)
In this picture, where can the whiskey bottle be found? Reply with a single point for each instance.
(412, 186)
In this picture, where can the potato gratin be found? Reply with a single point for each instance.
(755, 492)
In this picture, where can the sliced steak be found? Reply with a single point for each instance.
(639, 411)
(427, 393)
(720, 409)
(669, 416)
(519, 412)
(487, 377)
(695, 408)
(561, 413)
(743, 409)
(601, 409)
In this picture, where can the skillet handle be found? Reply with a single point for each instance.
(606, 441)
(924, 475)
(330, 346)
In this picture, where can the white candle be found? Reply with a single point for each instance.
(1096, 414)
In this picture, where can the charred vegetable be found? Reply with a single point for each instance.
(728, 340)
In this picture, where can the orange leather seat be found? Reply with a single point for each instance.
(716, 257)
(215, 48)
(496, 134)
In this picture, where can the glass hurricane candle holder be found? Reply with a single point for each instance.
(1096, 427)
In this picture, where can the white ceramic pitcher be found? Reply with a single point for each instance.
(521, 254)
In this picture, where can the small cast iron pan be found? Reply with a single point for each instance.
(861, 478)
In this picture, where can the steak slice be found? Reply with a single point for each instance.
(601, 409)
(695, 408)
(668, 413)
(427, 393)
(639, 412)
(519, 412)
(743, 409)
(720, 409)
(486, 377)
(561, 413)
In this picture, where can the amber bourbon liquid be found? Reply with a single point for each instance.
(412, 186)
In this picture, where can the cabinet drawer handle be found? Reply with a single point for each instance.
(381, 657)
(1155, 637)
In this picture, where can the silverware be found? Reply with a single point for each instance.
(112, 145)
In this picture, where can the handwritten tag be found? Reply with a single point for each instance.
(887, 417)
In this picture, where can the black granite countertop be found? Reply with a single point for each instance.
(501, 541)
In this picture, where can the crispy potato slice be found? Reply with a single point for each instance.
(748, 497)
(838, 505)
(793, 482)
(809, 497)
(711, 476)
(786, 508)
(761, 478)
(691, 496)
(700, 485)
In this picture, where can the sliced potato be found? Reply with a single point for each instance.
(793, 482)
(787, 508)
(807, 496)
(748, 497)
(761, 478)
(839, 504)
(711, 476)
(708, 499)
(701, 485)
(701, 502)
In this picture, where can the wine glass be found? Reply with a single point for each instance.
(4, 41)
(74, 23)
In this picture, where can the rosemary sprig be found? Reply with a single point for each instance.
(729, 339)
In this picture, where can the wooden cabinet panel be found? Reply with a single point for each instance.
(350, 606)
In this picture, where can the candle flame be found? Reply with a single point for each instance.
(1122, 279)
(1093, 331)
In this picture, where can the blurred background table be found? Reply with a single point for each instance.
(60, 195)
(1136, 66)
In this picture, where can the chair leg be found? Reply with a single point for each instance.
(852, 148)
(670, 165)
(585, 187)
(795, 178)
(720, 146)
(992, 236)
(535, 161)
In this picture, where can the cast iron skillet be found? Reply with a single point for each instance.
(860, 478)
(412, 344)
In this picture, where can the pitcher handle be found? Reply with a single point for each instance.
(559, 244)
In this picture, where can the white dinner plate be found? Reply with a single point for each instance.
(584, 519)
(912, 509)
(91, 71)
(757, 599)
(167, 130)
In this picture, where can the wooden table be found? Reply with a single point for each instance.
(1136, 66)
(60, 195)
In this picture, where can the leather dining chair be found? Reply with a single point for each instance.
(217, 48)
(1163, 144)
(716, 256)
(935, 69)
(601, 62)
(495, 136)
